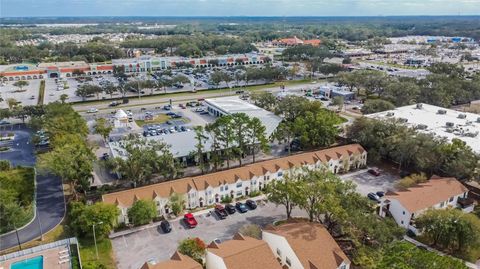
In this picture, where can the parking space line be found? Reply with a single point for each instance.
(125, 241)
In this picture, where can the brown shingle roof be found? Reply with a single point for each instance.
(243, 252)
(312, 243)
(177, 261)
(230, 176)
(430, 193)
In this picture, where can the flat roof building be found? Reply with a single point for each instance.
(442, 122)
(233, 104)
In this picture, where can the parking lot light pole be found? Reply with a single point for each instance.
(94, 238)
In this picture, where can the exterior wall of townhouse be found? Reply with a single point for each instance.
(242, 187)
(399, 213)
(213, 261)
(282, 250)
(403, 217)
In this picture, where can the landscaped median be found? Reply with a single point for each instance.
(151, 99)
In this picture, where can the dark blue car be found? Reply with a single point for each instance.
(241, 207)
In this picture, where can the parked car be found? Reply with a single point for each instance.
(241, 207)
(176, 116)
(230, 209)
(114, 103)
(167, 107)
(374, 171)
(92, 110)
(251, 204)
(166, 227)
(190, 220)
(170, 113)
(182, 106)
(380, 193)
(220, 211)
(374, 197)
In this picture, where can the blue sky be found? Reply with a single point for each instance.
(26, 8)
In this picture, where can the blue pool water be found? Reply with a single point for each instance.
(33, 263)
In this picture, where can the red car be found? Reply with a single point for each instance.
(190, 220)
(182, 106)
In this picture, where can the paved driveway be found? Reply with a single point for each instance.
(131, 251)
(50, 200)
(369, 183)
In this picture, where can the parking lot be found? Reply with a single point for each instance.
(367, 182)
(131, 251)
(27, 96)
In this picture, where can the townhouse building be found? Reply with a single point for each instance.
(305, 245)
(204, 190)
(242, 252)
(438, 193)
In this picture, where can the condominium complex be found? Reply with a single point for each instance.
(204, 190)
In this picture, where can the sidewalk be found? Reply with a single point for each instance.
(155, 224)
(417, 243)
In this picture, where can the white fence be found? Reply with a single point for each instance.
(65, 242)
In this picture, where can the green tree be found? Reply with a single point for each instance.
(103, 128)
(265, 100)
(20, 84)
(142, 212)
(376, 105)
(256, 136)
(82, 217)
(450, 229)
(411, 180)
(176, 203)
(285, 132)
(224, 127)
(283, 192)
(338, 101)
(407, 256)
(11, 102)
(316, 129)
(63, 98)
(199, 153)
(193, 248)
(72, 160)
(240, 126)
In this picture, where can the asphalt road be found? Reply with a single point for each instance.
(50, 200)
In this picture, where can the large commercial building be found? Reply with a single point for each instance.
(442, 122)
(205, 190)
(129, 65)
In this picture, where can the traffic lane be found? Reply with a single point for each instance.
(132, 250)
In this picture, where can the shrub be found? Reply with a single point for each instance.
(227, 199)
(142, 212)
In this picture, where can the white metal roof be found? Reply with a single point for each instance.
(436, 123)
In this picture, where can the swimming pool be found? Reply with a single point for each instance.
(33, 263)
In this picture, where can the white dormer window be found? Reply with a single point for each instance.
(221, 188)
(239, 184)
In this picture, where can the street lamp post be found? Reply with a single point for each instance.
(94, 238)
(18, 237)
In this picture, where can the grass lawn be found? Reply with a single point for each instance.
(18, 187)
(105, 253)
(157, 119)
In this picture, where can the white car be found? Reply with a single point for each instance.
(92, 110)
